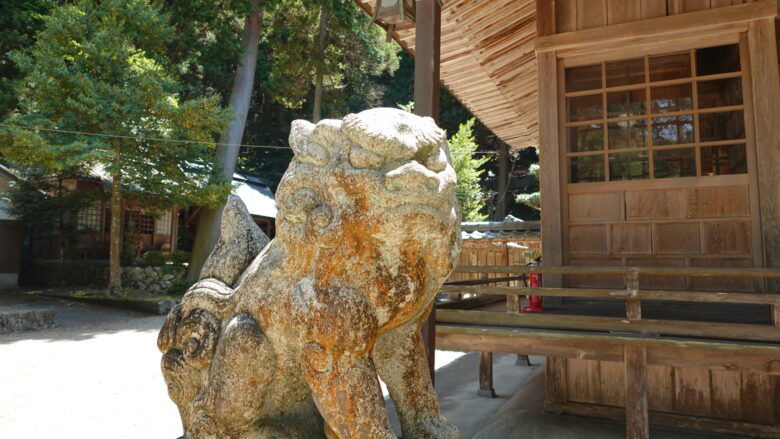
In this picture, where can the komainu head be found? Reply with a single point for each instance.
(380, 175)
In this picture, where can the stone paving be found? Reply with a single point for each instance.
(97, 376)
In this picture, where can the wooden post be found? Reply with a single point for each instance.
(550, 175)
(633, 303)
(637, 419)
(426, 103)
(486, 375)
(555, 392)
(513, 305)
(766, 109)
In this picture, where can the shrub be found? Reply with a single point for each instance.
(154, 258)
(180, 257)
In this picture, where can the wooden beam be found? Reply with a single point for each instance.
(661, 351)
(723, 331)
(637, 419)
(667, 271)
(427, 48)
(664, 295)
(666, 27)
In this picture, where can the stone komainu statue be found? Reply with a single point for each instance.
(286, 339)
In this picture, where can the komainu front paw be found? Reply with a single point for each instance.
(436, 428)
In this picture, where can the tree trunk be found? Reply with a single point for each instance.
(227, 152)
(115, 240)
(323, 39)
(61, 226)
(503, 181)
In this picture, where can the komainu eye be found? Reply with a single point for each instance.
(364, 159)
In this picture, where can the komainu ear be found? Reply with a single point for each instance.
(302, 145)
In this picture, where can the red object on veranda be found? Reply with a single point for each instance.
(534, 302)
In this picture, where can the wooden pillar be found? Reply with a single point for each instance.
(426, 103)
(486, 375)
(766, 109)
(549, 163)
(637, 416)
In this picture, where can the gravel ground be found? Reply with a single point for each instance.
(100, 380)
(97, 376)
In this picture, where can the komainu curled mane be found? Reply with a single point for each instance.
(286, 339)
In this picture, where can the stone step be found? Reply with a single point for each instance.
(16, 318)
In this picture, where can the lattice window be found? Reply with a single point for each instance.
(163, 224)
(89, 218)
(139, 222)
(673, 115)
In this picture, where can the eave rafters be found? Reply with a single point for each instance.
(488, 62)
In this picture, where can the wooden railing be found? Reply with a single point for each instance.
(633, 297)
(745, 345)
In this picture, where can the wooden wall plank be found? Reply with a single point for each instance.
(692, 391)
(621, 11)
(591, 13)
(695, 5)
(757, 404)
(726, 394)
(653, 8)
(583, 381)
(660, 387)
(613, 391)
(565, 16)
(719, 3)
(766, 108)
(776, 399)
(604, 206)
(673, 7)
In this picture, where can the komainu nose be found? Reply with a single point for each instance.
(411, 176)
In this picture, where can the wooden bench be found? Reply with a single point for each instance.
(637, 342)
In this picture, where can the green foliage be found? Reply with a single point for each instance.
(180, 257)
(354, 53)
(207, 46)
(99, 67)
(154, 258)
(467, 167)
(532, 199)
(19, 21)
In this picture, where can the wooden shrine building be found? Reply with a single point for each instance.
(658, 125)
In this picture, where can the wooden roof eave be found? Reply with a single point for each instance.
(488, 63)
